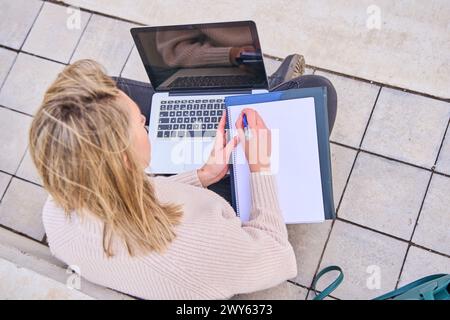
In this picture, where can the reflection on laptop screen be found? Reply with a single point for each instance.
(202, 56)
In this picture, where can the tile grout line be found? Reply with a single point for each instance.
(370, 117)
(62, 3)
(447, 175)
(441, 145)
(126, 60)
(9, 71)
(31, 54)
(423, 94)
(391, 236)
(19, 233)
(387, 158)
(412, 234)
(79, 39)
(396, 160)
(332, 224)
(358, 151)
(322, 255)
(16, 111)
(413, 244)
(32, 25)
(345, 186)
(410, 243)
(14, 174)
(298, 284)
(307, 288)
(344, 189)
(6, 188)
(21, 178)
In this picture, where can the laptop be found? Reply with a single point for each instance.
(192, 68)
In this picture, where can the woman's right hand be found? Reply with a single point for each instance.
(258, 146)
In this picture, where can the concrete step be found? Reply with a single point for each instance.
(29, 271)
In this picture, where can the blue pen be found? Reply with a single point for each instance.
(246, 130)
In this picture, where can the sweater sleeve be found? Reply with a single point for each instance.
(183, 48)
(234, 257)
(188, 177)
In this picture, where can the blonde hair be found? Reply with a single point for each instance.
(80, 144)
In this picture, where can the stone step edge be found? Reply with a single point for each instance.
(36, 257)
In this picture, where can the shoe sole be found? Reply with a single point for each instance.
(296, 68)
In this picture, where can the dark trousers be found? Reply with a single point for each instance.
(142, 94)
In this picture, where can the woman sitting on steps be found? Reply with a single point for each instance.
(151, 237)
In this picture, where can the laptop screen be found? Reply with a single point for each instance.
(202, 56)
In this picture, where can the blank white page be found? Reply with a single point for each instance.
(294, 159)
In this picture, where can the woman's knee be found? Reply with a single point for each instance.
(310, 81)
(313, 80)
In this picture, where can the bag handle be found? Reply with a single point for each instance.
(328, 290)
(410, 286)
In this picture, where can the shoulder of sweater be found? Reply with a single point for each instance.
(61, 224)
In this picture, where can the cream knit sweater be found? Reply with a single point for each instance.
(214, 255)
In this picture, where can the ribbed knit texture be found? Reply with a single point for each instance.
(214, 255)
(183, 48)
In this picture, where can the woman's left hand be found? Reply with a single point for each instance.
(217, 165)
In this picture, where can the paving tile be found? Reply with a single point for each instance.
(107, 41)
(433, 229)
(308, 241)
(365, 257)
(341, 161)
(27, 170)
(19, 283)
(13, 139)
(6, 60)
(407, 127)
(384, 195)
(21, 208)
(56, 32)
(284, 291)
(355, 103)
(27, 82)
(4, 180)
(17, 17)
(443, 163)
(420, 263)
(134, 68)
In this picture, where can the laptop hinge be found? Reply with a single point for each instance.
(209, 92)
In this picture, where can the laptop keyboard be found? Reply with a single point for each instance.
(211, 81)
(189, 118)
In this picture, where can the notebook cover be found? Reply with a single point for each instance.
(320, 100)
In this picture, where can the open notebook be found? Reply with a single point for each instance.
(300, 158)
